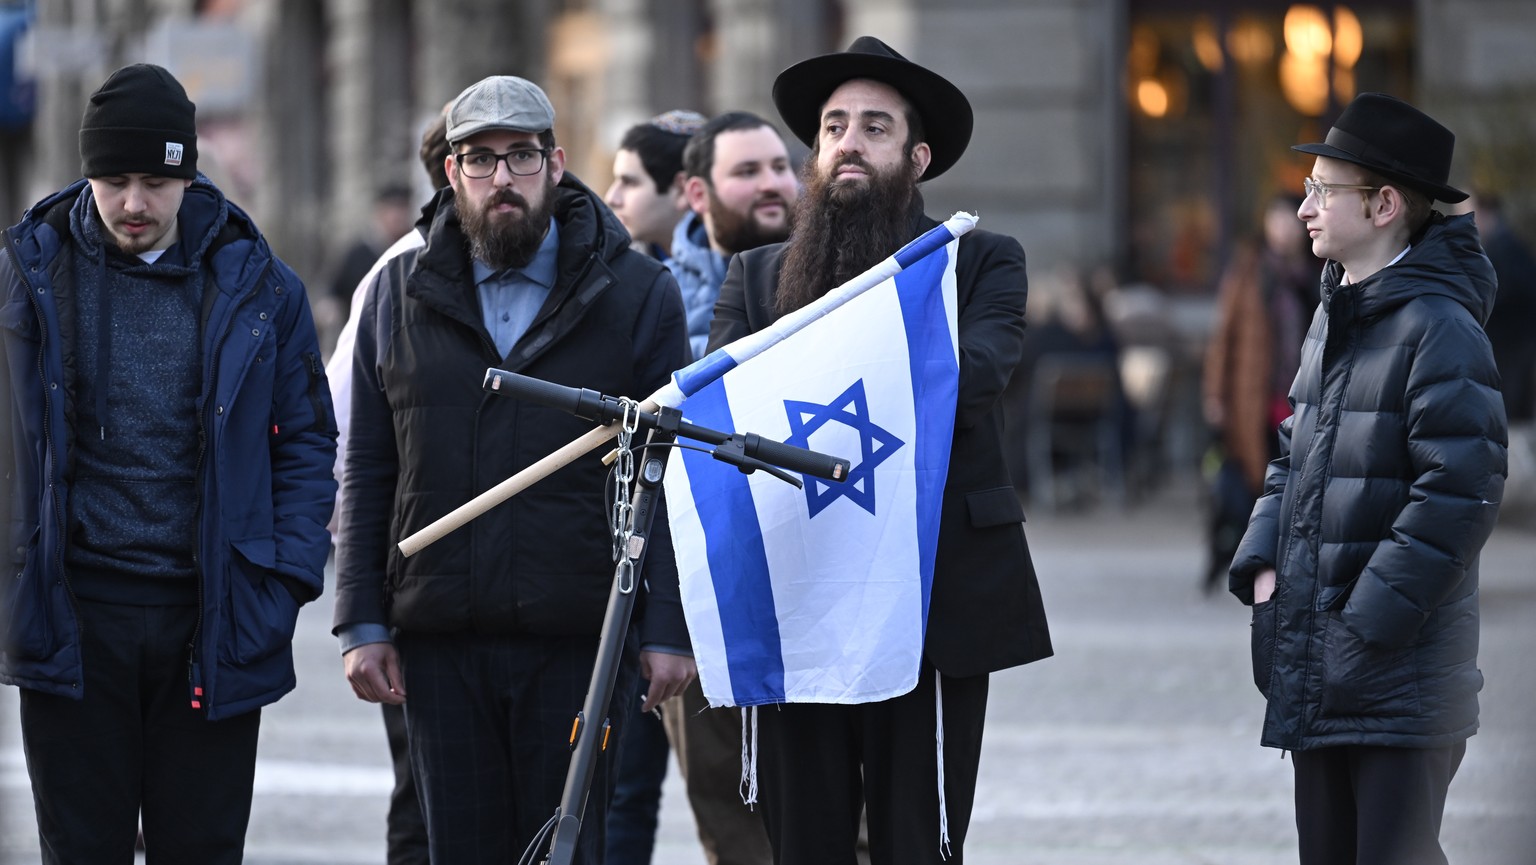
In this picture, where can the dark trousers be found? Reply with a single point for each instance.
(642, 768)
(817, 764)
(490, 723)
(1360, 805)
(708, 746)
(406, 830)
(134, 749)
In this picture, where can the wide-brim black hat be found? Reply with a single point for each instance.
(1395, 140)
(801, 90)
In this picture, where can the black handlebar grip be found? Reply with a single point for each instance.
(558, 396)
(796, 459)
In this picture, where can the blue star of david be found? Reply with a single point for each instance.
(875, 446)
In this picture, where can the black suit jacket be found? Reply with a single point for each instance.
(985, 613)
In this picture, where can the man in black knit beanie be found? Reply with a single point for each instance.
(168, 458)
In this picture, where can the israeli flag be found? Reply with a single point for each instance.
(821, 595)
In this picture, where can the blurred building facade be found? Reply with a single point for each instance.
(1138, 134)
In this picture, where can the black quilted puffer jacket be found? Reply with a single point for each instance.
(1392, 471)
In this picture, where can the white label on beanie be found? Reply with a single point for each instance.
(172, 153)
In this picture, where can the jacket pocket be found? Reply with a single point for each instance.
(262, 612)
(995, 507)
(27, 629)
(1361, 679)
(17, 316)
(1262, 645)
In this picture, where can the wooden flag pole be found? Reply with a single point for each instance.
(510, 487)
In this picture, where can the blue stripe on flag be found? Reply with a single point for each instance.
(933, 238)
(703, 371)
(934, 382)
(738, 561)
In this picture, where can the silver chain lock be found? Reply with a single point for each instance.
(623, 519)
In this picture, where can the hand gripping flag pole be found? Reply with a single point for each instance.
(689, 379)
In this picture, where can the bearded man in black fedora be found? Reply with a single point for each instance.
(878, 124)
(1360, 559)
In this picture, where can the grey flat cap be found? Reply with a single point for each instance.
(499, 102)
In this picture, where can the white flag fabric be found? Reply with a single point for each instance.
(821, 595)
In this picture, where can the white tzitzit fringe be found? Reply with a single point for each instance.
(748, 786)
(938, 703)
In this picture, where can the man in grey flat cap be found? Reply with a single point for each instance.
(488, 637)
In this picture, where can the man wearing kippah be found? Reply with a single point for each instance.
(168, 459)
(488, 636)
(1360, 559)
(647, 196)
(647, 189)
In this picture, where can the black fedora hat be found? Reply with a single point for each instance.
(801, 90)
(1395, 140)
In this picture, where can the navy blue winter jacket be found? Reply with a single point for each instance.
(265, 488)
(1390, 479)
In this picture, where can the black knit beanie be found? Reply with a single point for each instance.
(140, 121)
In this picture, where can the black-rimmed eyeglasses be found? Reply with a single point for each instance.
(480, 164)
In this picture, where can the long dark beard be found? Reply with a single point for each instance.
(508, 242)
(843, 230)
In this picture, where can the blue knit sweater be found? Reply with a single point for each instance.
(137, 375)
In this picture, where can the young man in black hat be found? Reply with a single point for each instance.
(877, 125)
(488, 637)
(1360, 559)
(168, 454)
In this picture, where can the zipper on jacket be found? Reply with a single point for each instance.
(52, 480)
(196, 693)
(316, 375)
(1347, 346)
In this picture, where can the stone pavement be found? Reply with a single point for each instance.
(1135, 745)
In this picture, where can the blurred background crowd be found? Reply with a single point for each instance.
(1139, 149)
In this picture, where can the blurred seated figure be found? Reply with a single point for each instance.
(1143, 321)
(1066, 408)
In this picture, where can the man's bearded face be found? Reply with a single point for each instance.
(504, 230)
(740, 231)
(852, 216)
(505, 216)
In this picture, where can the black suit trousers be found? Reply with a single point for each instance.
(490, 722)
(819, 765)
(1363, 805)
(134, 749)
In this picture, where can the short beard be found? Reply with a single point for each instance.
(135, 245)
(738, 232)
(500, 243)
(841, 230)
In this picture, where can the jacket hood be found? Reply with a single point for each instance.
(691, 250)
(203, 214)
(1447, 260)
(700, 271)
(208, 218)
